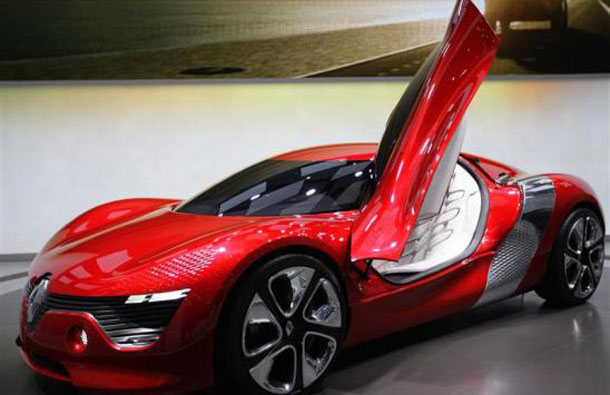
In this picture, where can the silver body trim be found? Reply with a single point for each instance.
(158, 297)
(515, 253)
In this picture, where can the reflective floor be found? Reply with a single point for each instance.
(518, 346)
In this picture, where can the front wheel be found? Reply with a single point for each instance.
(283, 329)
(577, 260)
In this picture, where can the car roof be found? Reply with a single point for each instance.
(352, 151)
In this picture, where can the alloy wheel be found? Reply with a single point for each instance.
(584, 256)
(291, 330)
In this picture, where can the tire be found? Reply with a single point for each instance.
(559, 20)
(577, 262)
(282, 328)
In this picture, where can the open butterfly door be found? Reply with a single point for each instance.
(420, 147)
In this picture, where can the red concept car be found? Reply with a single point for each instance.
(257, 283)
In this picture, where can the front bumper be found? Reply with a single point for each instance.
(166, 366)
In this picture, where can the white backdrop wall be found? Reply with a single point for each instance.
(64, 149)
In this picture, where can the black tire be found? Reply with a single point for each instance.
(576, 265)
(247, 328)
(559, 20)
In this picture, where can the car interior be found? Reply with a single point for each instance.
(445, 236)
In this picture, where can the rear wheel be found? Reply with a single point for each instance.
(577, 260)
(283, 329)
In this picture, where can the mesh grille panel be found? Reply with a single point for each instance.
(514, 255)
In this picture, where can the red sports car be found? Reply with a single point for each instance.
(259, 281)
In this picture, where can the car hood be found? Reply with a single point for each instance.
(85, 263)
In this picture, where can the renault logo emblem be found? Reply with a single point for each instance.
(36, 300)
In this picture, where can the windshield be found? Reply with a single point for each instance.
(286, 187)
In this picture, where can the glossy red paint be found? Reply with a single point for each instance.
(145, 370)
(104, 216)
(493, 169)
(465, 56)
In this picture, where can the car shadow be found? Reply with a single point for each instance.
(387, 351)
(45, 385)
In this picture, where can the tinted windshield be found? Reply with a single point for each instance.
(284, 187)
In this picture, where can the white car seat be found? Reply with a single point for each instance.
(442, 237)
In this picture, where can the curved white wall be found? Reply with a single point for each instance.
(66, 148)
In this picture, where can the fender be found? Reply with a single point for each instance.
(104, 216)
(571, 192)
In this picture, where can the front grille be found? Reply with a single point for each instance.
(125, 324)
(29, 286)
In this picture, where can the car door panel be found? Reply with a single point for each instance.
(420, 130)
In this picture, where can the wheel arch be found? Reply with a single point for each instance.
(233, 289)
(573, 193)
(588, 205)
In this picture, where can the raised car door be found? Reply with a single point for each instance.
(420, 147)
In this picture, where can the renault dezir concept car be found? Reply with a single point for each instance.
(259, 281)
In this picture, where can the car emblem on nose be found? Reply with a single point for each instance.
(35, 301)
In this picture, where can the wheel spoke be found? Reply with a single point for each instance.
(581, 271)
(580, 230)
(594, 234)
(584, 284)
(318, 352)
(596, 258)
(322, 329)
(576, 238)
(288, 288)
(300, 379)
(269, 301)
(310, 291)
(570, 254)
(261, 330)
(323, 306)
(573, 269)
(276, 372)
(586, 234)
(596, 244)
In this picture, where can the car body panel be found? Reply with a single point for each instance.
(493, 169)
(461, 63)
